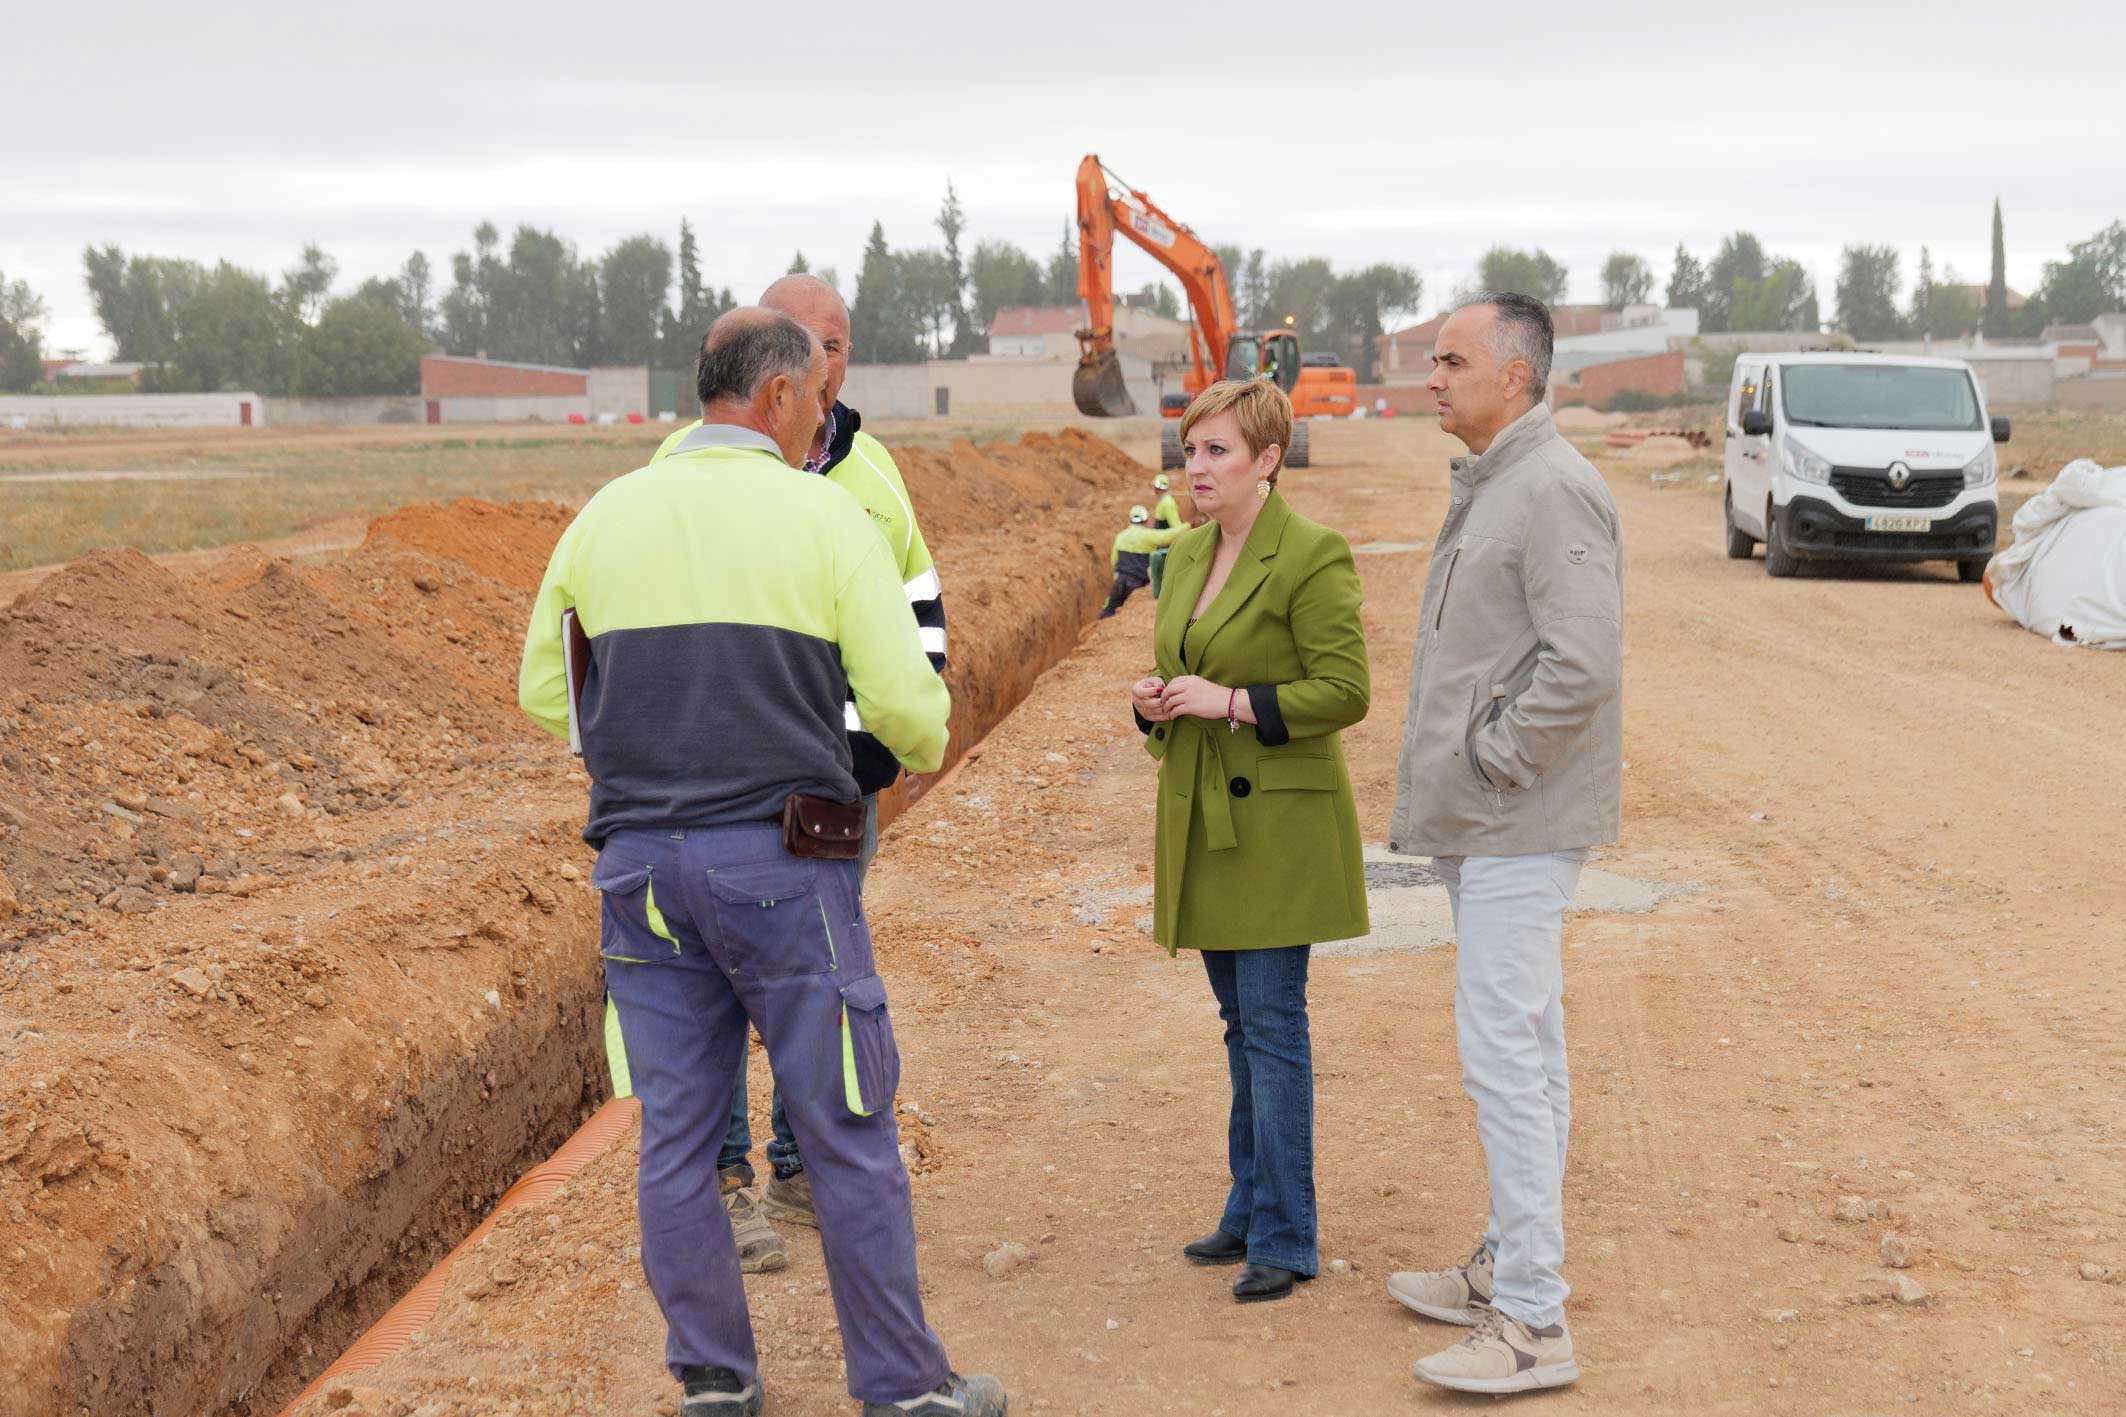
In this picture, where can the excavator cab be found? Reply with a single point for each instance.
(1243, 357)
(1280, 359)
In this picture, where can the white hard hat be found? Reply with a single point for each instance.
(1138, 516)
(1160, 484)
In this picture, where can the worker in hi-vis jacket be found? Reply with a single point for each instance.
(1132, 557)
(1166, 515)
(734, 606)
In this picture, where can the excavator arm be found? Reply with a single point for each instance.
(1097, 386)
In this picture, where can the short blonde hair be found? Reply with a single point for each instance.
(1259, 406)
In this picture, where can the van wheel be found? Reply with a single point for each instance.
(1739, 544)
(1778, 561)
(1971, 572)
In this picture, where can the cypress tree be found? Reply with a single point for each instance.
(1995, 321)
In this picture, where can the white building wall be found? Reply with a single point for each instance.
(132, 410)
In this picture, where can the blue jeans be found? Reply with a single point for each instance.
(782, 1144)
(1262, 996)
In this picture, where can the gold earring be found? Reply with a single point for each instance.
(1262, 489)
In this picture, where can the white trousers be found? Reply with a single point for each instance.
(1509, 1021)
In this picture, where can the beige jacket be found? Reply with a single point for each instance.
(1514, 741)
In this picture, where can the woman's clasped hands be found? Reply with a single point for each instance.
(1160, 700)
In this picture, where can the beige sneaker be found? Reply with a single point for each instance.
(790, 1199)
(1457, 1296)
(1503, 1355)
(760, 1249)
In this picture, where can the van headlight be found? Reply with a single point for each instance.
(1803, 464)
(1983, 469)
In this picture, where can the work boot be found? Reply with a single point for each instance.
(1503, 1355)
(760, 1249)
(716, 1392)
(1461, 1295)
(790, 1199)
(977, 1395)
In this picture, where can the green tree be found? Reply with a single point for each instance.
(548, 312)
(1784, 298)
(1002, 275)
(951, 221)
(137, 298)
(362, 345)
(1867, 293)
(417, 293)
(882, 328)
(477, 280)
(21, 336)
(232, 333)
(1686, 282)
(1626, 280)
(798, 266)
(1252, 298)
(1365, 302)
(1740, 259)
(305, 285)
(1165, 303)
(634, 279)
(1994, 321)
(1534, 273)
(2090, 282)
(931, 294)
(1301, 291)
(1063, 268)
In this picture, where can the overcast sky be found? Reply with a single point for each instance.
(1356, 131)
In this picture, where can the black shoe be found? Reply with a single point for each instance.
(1259, 1283)
(1215, 1248)
(716, 1392)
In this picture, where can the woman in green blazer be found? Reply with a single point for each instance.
(1261, 662)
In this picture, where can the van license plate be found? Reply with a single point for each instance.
(1900, 523)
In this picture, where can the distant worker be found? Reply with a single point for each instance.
(857, 463)
(1131, 559)
(1166, 514)
(733, 607)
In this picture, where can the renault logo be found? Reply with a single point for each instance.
(1900, 476)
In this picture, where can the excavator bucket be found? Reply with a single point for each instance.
(1098, 389)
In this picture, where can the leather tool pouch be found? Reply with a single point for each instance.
(816, 827)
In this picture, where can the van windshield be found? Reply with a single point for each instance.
(1879, 396)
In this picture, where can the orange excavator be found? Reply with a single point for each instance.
(1218, 349)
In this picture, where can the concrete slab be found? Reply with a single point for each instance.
(1408, 903)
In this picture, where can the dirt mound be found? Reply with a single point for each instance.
(510, 543)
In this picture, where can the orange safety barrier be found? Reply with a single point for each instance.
(391, 1332)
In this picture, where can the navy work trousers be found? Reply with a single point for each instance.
(705, 930)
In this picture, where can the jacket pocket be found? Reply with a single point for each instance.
(1283, 774)
(774, 917)
(1439, 611)
(1496, 692)
(871, 1063)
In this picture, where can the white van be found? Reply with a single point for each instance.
(1860, 457)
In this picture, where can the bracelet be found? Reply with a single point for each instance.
(1232, 719)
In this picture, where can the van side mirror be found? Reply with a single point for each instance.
(1756, 423)
(2000, 428)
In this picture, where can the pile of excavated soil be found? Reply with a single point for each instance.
(296, 964)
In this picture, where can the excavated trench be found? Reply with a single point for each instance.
(247, 1125)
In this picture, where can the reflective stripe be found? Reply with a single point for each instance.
(933, 637)
(924, 587)
(655, 916)
(852, 1090)
(616, 1051)
(851, 719)
(906, 511)
(833, 957)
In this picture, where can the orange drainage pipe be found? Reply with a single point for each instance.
(390, 1333)
(606, 1125)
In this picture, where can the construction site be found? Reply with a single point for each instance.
(309, 1104)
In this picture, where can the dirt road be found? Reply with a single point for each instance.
(1882, 823)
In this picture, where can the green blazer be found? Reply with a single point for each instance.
(1258, 843)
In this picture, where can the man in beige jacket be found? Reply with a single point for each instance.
(1511, 768)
